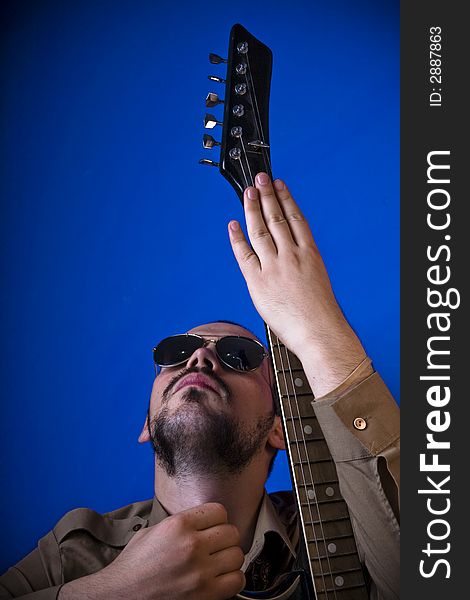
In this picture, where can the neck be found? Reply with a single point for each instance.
(180, 493)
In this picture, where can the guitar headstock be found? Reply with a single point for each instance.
(244, 149)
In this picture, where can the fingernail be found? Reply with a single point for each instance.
(262, 179)
(234, 226)
(252, 193)
(279, 185)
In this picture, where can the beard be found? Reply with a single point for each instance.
(196, 439)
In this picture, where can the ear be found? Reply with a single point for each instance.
(276, 435)
(144, 434)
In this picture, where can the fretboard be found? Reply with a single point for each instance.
(334, 563)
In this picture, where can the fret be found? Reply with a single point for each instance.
(334, 531)
(298, 463)
(337, 565)
(340, 581)
(298, 417)
(290, 370)
(343, 571)
(295, 395)
(324, 512)
(351, 592)
(317, 476)
(330, 556)
(305, 485)
(306, 451)
(307, 440)
(315, 502)
(333, 546)
(333, 520)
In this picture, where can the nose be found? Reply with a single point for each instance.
(205, 357)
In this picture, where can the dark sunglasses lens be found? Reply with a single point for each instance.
(241, 354)
(175, 350)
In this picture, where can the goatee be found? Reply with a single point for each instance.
(198, 439)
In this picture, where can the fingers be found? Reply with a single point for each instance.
(228, 560)
(299, 228)
(230, 584)
(204, 516)
(246, 258)
(271, 211)
(220, 537)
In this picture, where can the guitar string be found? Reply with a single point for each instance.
(243, 171)
(259, 126)
(311, 476)
(247, 161)
(303, 477)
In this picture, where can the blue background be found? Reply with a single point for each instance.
(112, 236)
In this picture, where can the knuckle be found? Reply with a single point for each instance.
(239, 580)
(268, 194)
(219, 510)
(295, 217)
(249, 257)
(284, 194)
(180, 521)
(235, 534)
(198, 580)
(277, 219)
(259, 234)
(237, 556)
(192, 546)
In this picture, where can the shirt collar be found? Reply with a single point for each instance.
(268, 520)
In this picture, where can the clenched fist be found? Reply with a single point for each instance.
(192, 555)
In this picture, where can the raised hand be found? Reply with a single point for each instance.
(290, 287)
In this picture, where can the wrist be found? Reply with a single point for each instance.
(329, 361)
(92, 587)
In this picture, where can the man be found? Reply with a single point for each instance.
(211, 530)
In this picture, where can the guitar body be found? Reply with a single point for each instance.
(328, 565)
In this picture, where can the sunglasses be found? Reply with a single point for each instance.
(236, 352)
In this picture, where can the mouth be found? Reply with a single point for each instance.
(197, 380)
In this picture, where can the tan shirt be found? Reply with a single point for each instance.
(367, 462)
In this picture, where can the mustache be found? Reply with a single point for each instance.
(206, 371)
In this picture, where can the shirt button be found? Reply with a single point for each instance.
(137, 527)
(360, 423)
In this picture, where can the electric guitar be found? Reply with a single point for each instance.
(329, 566)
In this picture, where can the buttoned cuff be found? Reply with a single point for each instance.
(364, 416)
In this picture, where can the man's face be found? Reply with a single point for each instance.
(206, 417)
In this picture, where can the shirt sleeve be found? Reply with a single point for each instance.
(37, 576)
(360, 422)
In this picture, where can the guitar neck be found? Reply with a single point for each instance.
(324, 517)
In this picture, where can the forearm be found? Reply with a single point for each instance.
(331, 355)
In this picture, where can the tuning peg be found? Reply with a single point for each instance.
(207, 161)
(210, 121)
(215, 59)
(215, 78)
(213, 99)
(209, 142)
